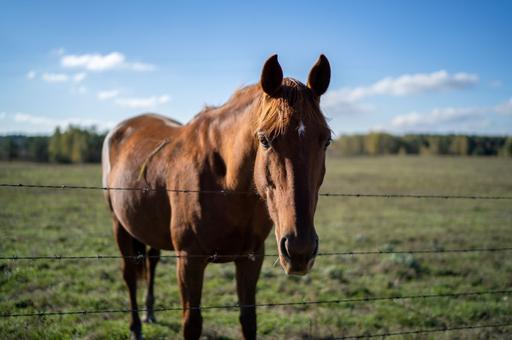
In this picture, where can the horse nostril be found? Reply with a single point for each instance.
(282, 246)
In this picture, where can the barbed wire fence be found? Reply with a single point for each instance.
(268, 304)
(213, 257)
(228, 192)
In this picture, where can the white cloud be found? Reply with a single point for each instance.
(439, 117)
(63, 77)
(3, 115)
(102, 62)
(31, 74)
(55, 77)
(414, 83)
(93, 62)
(340, 107)
(104, 95)
(35, 120)
(407, 84)
(447, 119)
(78, 77)
(143, 102)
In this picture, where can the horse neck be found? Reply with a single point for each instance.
(235, 142)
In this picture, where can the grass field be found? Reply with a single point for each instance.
(76, 222)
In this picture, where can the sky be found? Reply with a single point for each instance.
(397, 66)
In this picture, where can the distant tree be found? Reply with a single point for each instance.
(382, 144)
(459, 145)
(371, 144)
(75, 145)
(411, 143)
(18, 147)
(8, 150)
(506, 150)
(388, 144)
(348, 145)
(78, 149)
(377, 143)
(94, 145)
(37, 149)
(54, 150)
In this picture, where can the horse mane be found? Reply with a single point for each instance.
(293, 103)
(239, 100)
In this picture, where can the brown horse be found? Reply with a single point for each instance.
(267, 143)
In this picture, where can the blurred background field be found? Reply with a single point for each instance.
(76, 222)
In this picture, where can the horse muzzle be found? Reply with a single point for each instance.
(297, 256)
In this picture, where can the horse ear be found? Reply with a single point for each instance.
(271, 76)
(320, 76)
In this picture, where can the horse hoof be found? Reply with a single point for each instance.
(150, 318)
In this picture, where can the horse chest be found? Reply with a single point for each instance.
(220, 224)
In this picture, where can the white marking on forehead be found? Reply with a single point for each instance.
(301, 129)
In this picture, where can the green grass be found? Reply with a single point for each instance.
(76, 222)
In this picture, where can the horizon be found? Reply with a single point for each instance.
(399, 68)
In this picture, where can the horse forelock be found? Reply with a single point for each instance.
(294, 105)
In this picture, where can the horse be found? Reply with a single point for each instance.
(264, 149)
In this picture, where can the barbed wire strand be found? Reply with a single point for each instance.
(425, 330)
(228, 192)
(268, 305)
(214, 257)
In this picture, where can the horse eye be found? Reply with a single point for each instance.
(264, 141)
(327, 144)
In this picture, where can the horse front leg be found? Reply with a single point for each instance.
(247, 274)
(190, 273)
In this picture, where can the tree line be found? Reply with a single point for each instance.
(72, 145)
(83, 145)
(377, 143)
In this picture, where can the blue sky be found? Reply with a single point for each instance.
(398, 66)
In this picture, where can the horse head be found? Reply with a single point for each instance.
(292, 136)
